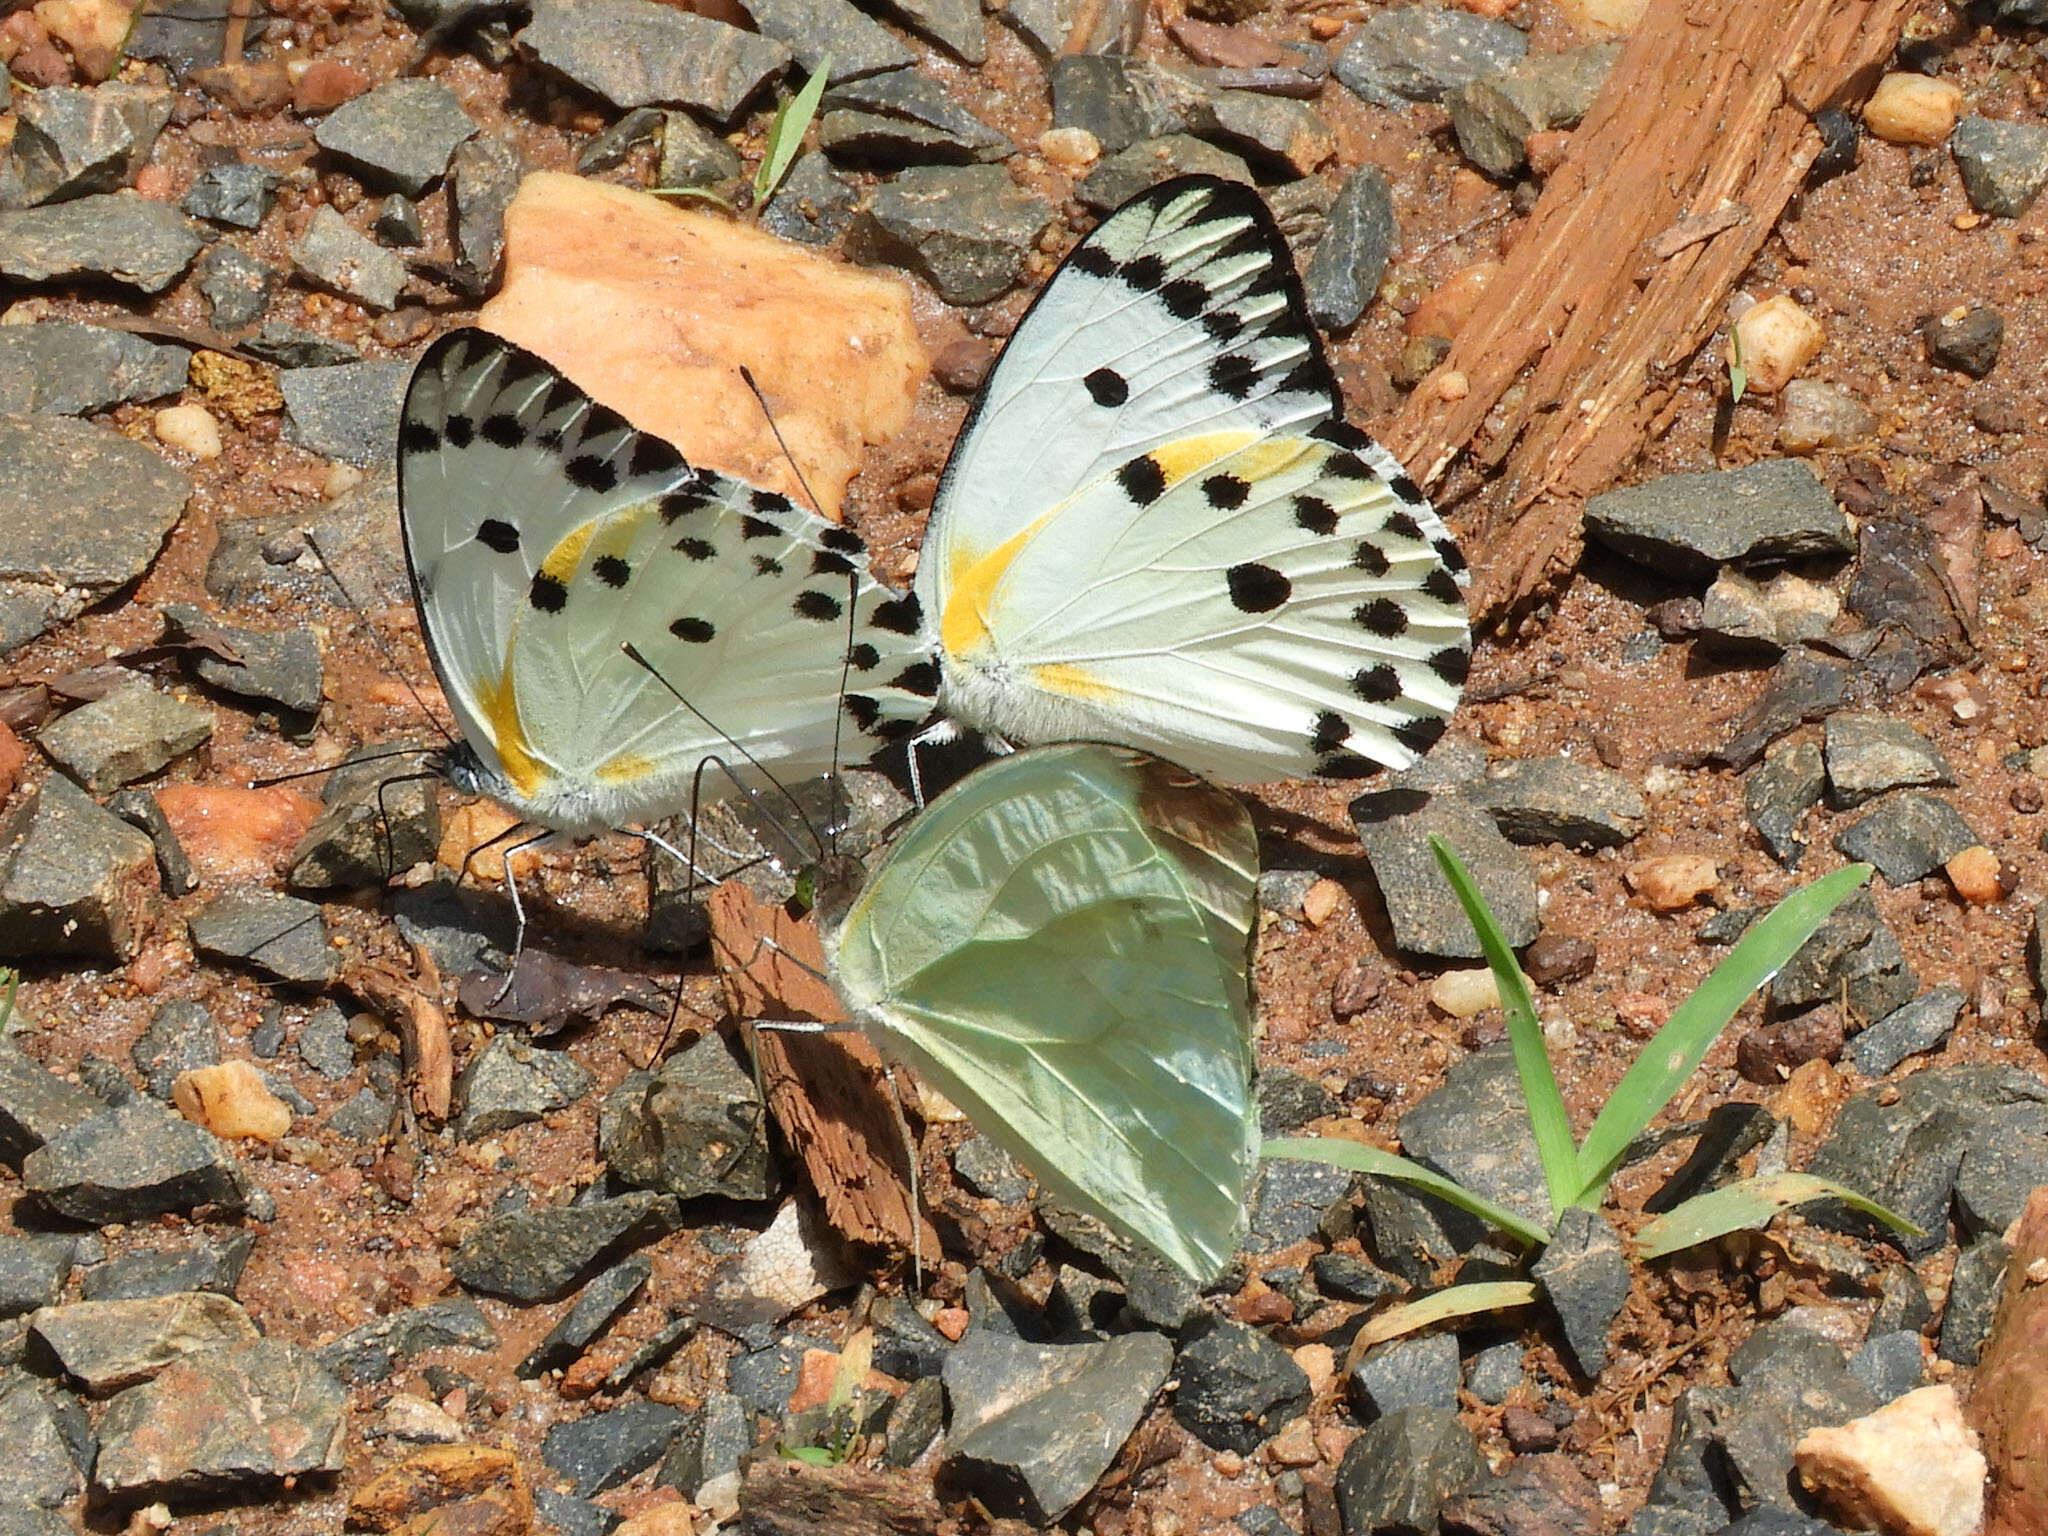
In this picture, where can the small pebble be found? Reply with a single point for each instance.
(1778, 339)
(231, 1101)
(189, 429)
(1073, 150)
(1557, 958)
(1463, 994)
(339, 480)
(1913, 109)
(1975, 875)
(1527, 1431)
(1446, 307)
(1673, 881)
(1321, 901)
(1357, 988)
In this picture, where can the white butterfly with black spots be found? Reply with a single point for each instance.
(544, 533)
(1156, 528)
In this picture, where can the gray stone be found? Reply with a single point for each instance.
(69, 141)
(1035, 1426)
(1417, 53)
(990, 1172)
(1349, 1278)
(181, 1037)
(398, 136)
(1585, 1272)
(608, 150)
(967, 229)
(1236, 1386)
(1288, 1102)
(324, 1044)
(117, 236)
(381, 819)
(59, 367)
(332, 254)
(601, 1450)
(1868, 754)
(1415, 1235)
(1407, 1373)
(82, 511)
(1805, 685)
(131, 1163)
(290, 346)
(374, 1351)
(1293, 1199)
(1123, 176)
(109, 1345)
(488, 171)
(1920, 1025)
(1852, 957)
(277, 936)
(398, 223)
(1555, 800)
(457, 927)
(858, 45)
(125, 735)
(140, 810)
(1475, 1130)
(510, 1083)
(1969, 344)
(2004, 165)
(906, 1346)
(20, 1519)
(911, 98)
(1119, 98)
(1686, 526)
(74, 880)
(1746, 614)
(1289, 138)
(187, 35)
(1494, 1373)
(1815, 414)
(1907, 837)
(208, 1263)
(1902, 1305)
(366, 1116)
(1972, 1300)
(33, 1269)
(692, 155)
(1494, 115)
(349, 412)
(1395, 1476)
(2006, 1163)
(1054, 27)
(223, 1422)
(1395, 826)
(1757, 1426)
(695, 1128)
(36, 1105)
(541, 1255)
(239, 194)
(236, 287)
(955, 25)
(1730, 1132)
(1890, 1364)
(601, 1301)
(812, 205)
(709, 1445)
(281, 667)
(915, 1422)
(1777, 796)
(636, 53)
(49, 1443)
(566, 1515)
(1344, 274)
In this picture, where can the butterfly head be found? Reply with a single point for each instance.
(835, 881)
(465, 771)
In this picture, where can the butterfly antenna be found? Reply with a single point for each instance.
(780, 442)
(312, 773)
(376, 639)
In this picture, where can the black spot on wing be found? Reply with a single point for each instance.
(898, 615)
(1331, 732)
(865, 657)
(1310, 376)
(771, 502)
(547, 594)
(825, 562)
(1419, 735)
(693, 631)
(459, 430)
(1347, 466)
(1407, 490)
(894, 730)
(1442, 585)
(1185, 297)
(1346, 765)
(1233, 374)
(1379, 684)
(417, 437)
(861, 710)
(611, 570)
(1447, 551)
(1453, 664)
(757, 528)
(1256, 588)
(1222, 325)
(845, 540)
(1107, 387)
(1404, 524)
(651, 457)
(1142, 479)
(680, 504)
(1226, 492)
(501, 429)
(1093, 260)
(1382, 616)
(496, 534)
(1145, 274)
(1314, 514)
(1371, 559)
(1341, 433)
(920, 678)
(767, 565)
(696, 549)
(822, 606)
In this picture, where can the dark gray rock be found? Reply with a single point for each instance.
(1972, 1300)
(488, 171)
(1967, 345)
(461, 930)
(349, 412)
(1907, 837)
(1868, 754)
(1851, 957)
(49, 1443)
(1730, 1132)
(1920, 1025)
(1118, 98)
(20, 1519)
(692, 155)
(2007, 1162)
(1495, 114)
(869, 138)
(58, 367)
(281, 667)
(915, 1422)
(131, 1163)
(108, 1345)
(602, 1300)
(1343, 276)
(1053, 27)
(398, 223)
(1293, 1199)
(1407, 1373)
(695, 1128)
(1413, 1234)
(117, 237)
(1347, 1277)
(82, 511)
(1778, 1522)
(324, 1044)
(1585, 1272)
(276, 936)
(990, 1172)
(812, 205)
(125, 735)
(1395, 826)
(1555, 800)
(510, 1082)
(399, 136)
(69, 141)
(967, 229)
(955, 25)
(1494, 1373)
(186, 35)
(181, 1037)
(381, 818)
(1395, 1477)
(236, 286)
(374, 1351)
(906, 96)
(566, 1515)
(1036, 1425)
(223, 1422)
(1777, 796)
(540, 1255)
(655, 1350)
(906, 1346)
(1685, 526)
(290, 346)
(607, 151)
(1890, 1364)
(1287, 137)
(36, 1105)
(33, 1269)
(1902, 1305)
(1123, 176)
(1475, 1129)
(1417, 53)
(1288, 1102)
(139, 809)
(73, 879)
(239, 194)
(1804, 686)
(709, 1444)
(332, 254)
(635, 53)
(208, 1263)
(2004, 165)
(812, 29)
(1237, 1387)
(763, 1379)
(1756, 1426)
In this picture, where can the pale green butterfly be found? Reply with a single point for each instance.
(1060, 944)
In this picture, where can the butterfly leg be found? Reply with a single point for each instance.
(518, 908)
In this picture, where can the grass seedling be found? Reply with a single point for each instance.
(1738, 371)
(1578, 1173)
(786, 133)
(842, 1407)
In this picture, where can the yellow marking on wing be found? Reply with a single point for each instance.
(563, 559)
(625, 768)
(1064, 677)
(1178, 460)
(523, 770)
(615, 535)
(963, 627)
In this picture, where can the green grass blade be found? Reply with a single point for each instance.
(1751, 1203)
(704, 194)
(1548, 1120)
(1360, 1158)
(786, 133)
(1438, 1306)
(1676, 1049)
